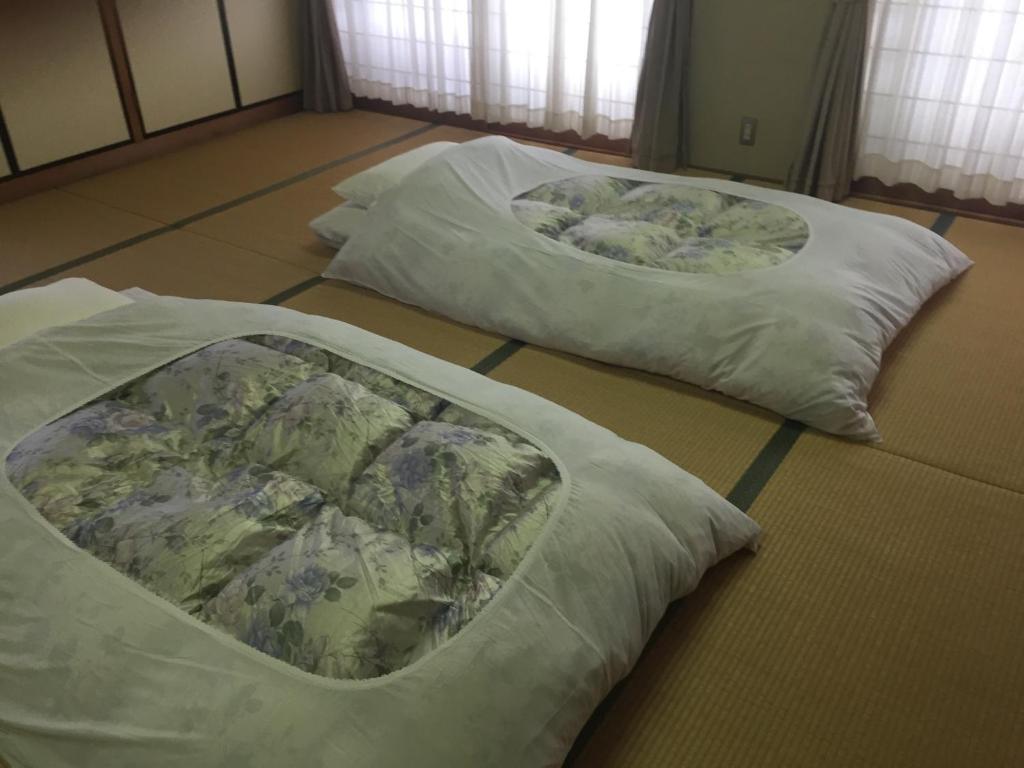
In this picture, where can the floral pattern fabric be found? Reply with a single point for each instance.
(674, 227)
(433, 483)
(95, 457)
(342, 599)
(318, 510)
(326, 430)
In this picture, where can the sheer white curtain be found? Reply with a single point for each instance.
(408, 51)
(944, 97)
(556, 64)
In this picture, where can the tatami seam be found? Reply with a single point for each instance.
(112, 206)
(295, 290)
(764, 466)
(946, 470)
(942, 223)
(249, 249)
(180, 224)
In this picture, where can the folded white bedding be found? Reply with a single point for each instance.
(337, 225)
(779, 299)
(364, 189)
(25, 312)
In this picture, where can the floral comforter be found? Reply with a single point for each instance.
(337, 500)
(318, 510)
(675, 227)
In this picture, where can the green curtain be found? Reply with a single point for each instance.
(660, 139)
(324, 79)
(825, 166)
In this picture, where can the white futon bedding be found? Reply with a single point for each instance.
(260, 538)
(779, 299)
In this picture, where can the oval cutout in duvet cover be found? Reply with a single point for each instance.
(315, 509)
(675, 227)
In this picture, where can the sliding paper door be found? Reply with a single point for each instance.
(57, 88)
(178, 60)
(265, 45)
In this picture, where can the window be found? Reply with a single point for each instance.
(944, 97)
(556, 64)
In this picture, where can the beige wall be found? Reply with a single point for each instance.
(265, 43)
(178, 60)
(57, 86)
(752, 57)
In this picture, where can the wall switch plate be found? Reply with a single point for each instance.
(748, 131)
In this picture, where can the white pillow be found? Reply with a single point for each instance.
(28, 311)
(364, 188)
(339, 224)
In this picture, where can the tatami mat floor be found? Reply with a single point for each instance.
(881, 624)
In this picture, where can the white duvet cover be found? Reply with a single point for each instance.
(95, 670)
(779, 299)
